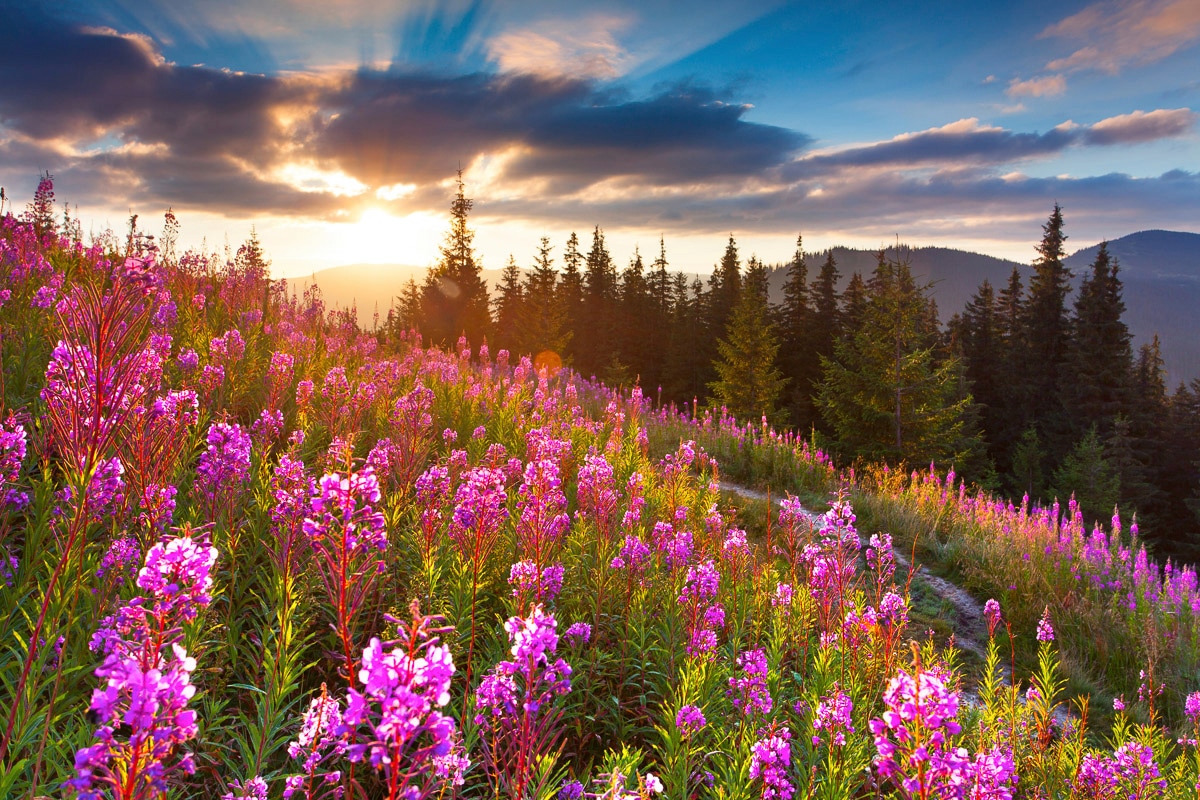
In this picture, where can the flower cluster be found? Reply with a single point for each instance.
(770, 758)
(1129, 772)
(1045, 631)
(704, 617)
(749, 691)
(690, 720)
(833, 716)
(531, 585)
(142, 708)
(514, 702)
(320, 739)
(225, 463)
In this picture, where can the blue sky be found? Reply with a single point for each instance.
(335, 128)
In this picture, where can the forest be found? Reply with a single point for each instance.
(1027, 391)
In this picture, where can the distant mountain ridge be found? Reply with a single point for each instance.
(1160, 271)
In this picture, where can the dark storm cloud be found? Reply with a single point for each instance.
(73, 83)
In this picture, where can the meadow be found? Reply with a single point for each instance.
(252, 551)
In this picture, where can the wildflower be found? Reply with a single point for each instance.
(142, 709)
(690, 720)
(571, 790)
(991, 610)
(749, 692)
(514, 702)
(782, 598)
(770, 758)
(833, 716)
(578, 634)
(1045, 631)
(320, 739)
(253, 789)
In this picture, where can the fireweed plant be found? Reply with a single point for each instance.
(219, 500)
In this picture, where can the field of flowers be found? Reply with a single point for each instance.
(250, 551)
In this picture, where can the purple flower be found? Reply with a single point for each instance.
(571, 790)
(833, 715)
(225, 464)
(1045, 632)
(991, 610)
(142, 707)
(578, 634)
(749, 692)
(531, 586)
(1191, 707)
(770, 758)
(1130, 772)
(253, 789)
(690, 720)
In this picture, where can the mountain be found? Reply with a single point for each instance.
(1160, 270)
(369, 288)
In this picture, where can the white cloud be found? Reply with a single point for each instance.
(1047, 86)
(585, 48)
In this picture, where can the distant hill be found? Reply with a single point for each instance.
(1160, 270)
(369, 287)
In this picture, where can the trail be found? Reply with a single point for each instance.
(969, 623)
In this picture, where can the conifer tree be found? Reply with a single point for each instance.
(1098, 369)
(748, 381)
(454, 299)
(543, 327)
(597, 312)
(510, 307)
(854, 305)
(981, 343)
(798, 357)
(1088, 476)
(571, 296)
(1045, 336)
(635, 317)
(884, 396)
(685, 368)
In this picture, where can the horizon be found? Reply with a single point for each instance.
(336, 133)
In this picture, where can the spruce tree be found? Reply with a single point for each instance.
(981, 344)
(884, 395)
(1088, 476)
(1098, 370)
(798, 357)
(454, 299)
(634, 315)
(748, 381)
(571, 296)
(597, 312)
(543, 328)
(510, 307)
(1045, 337)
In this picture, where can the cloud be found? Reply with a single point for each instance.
(1142, 126)
(1048, 86)
(961, 143)
(576, 48)
(1124, 33)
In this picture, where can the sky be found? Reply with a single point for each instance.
(335, 129)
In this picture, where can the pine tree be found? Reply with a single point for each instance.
(1045, 337)
(684, 371)
(1088, 476)
(798, 357)
(571, 296)
(597, 312)
(884, 396)
(748, 381)
(454, 299)
(634, 314)
(543, 330)
(981, 342)
(1098, 370)
(854, 305)
(510, 308)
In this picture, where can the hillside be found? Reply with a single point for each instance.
(1160, 270)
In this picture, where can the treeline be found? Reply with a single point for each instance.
(1024, 391)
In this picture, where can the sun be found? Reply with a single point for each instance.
(383, 238)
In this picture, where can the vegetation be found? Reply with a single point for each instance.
(251, 551)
